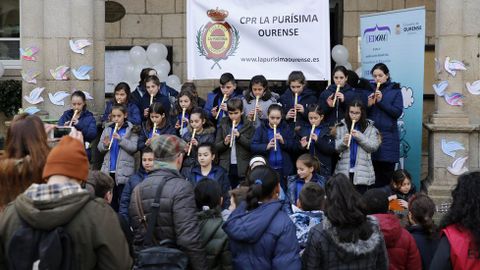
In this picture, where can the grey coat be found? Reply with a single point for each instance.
(247, 107)
(177, 218)
(125, 160)
(368, 142)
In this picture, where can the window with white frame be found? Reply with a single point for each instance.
(10, 32)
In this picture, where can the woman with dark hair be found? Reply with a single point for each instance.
(346, 238)
(385, 107)
(261, 235)
(122, 96)
(422, 227)
(460, 241)
(26, 152)
(356, 139)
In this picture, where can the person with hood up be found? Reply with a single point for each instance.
(402, 249)
(346, 238)
(91, 224)
(261, 235)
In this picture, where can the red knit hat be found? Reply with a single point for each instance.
(68, 158)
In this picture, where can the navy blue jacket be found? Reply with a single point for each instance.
(86, 124)
(140, 91)
(262, 238)
(323, 148)
(144, 133)
(145, 103)
(220, 176)
(215, 97)
(385, 114)
(291, 193)
(335, 115)
(133, 113)
(128, 191)
(307, 97)
(425, 245)
(260, 141)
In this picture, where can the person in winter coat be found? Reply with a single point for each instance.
(355, 146)
(346, 238)
(234, 155)
(322, 143)
(216, 105)
(141, 89)
(208, 197)
(207, 169)
(158, 118)
(96, 237)
(258, 89)
(309, 211)
(402, 249)
(261, 235)
(82, 120)
(154, 94)
(460, 233)
(119, 144)
(333, 103)
(422, 227)
(176, 218)
(122, 96)
(137, 178)
(297, 85)
(385, 107)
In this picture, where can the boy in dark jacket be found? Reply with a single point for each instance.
(233, 144)
(147, 166)
(402, 250)
(217, 100)
(208, 197)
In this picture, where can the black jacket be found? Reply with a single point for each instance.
(425, 245)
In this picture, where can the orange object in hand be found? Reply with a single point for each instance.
(394, 205)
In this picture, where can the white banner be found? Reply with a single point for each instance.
(251, 37)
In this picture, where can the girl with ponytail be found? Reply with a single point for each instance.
(262, 235)
(420, 216)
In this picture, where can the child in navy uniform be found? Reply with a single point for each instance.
(156, 115)
(322, 143)
(216, 104)
(153, 95)
(233, 145)
(83, 120)
(122, 96)
(120, 145)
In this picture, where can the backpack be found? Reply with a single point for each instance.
(31, 248)
(162, 255)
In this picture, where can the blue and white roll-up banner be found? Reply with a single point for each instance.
(397, 39)
(251, 37)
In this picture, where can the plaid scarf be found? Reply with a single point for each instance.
(48, 192)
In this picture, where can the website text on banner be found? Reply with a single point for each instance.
(266, 37)
(397, 38)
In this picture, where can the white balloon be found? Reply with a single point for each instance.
(359, 71)
(2, 70)
(177, 87)
(173, 80)
(156, 52)
(348, 66)
(340, 54)
(138, 55)
(162, 74)
(129, 73)
(162, 67)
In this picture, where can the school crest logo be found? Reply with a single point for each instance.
(217, 40)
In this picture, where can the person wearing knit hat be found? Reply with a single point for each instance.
(91, 224)
(69, 159)
(177, 216)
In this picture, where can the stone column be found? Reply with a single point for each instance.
(49, 25)
(451, 123)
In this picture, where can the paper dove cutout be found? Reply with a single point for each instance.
(30, 75)
(438, 66)
(458, 166)
(60, 73)
(82, 72)
(440, 88)
(78, 45)
(454, 99)
(474, 88)
(31, 110)
(34, 96)
(449, 148)
(58, 97)
(452, 66)
(29, 53)
(87, 95)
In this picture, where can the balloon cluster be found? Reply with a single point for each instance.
(154, 57)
